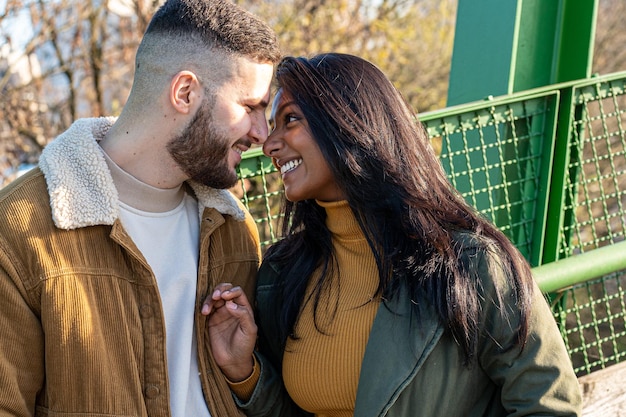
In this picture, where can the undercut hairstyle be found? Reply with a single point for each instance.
(203, 36)
(381, 157)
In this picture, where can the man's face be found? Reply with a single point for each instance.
(230, 119)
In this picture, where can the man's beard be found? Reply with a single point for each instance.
(202, 153)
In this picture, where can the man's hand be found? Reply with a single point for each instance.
(232, 330)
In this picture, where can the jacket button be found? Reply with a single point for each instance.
(145, 311)
(152, 391)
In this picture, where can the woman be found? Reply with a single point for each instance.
(388, 295)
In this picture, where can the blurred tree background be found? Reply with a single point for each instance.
(65, 59)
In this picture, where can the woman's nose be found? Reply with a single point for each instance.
(272, 145)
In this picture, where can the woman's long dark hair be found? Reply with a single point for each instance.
(381, 157)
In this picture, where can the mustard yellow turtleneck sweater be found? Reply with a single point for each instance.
(321, 370)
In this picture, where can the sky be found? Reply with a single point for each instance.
(18, 26)
(20, 30)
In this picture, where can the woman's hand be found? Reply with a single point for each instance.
(232, 330)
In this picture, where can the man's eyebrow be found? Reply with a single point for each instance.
(264, 103)
(255, 104)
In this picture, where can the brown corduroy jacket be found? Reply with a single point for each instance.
(82, 328)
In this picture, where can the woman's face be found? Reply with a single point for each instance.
(295, 153)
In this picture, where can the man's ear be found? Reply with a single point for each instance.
(185, 91)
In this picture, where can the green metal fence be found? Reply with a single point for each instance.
(587, 213)
(548, 167)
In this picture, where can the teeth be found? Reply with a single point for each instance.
(239, 151)
(290, 166)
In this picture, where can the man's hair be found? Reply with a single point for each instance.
(218, 24)
(202, 36)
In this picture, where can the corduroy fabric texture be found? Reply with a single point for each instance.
(83, 330)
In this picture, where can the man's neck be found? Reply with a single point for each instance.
(140, 195)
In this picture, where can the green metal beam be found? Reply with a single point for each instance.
(536, 45)
(483, 52)
(575, 40)
(501, 47)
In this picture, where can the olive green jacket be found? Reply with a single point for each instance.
(412, 366)
(82, 328)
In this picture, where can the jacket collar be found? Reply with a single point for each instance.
(82, 192)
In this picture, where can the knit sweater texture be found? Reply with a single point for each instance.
(321, 367)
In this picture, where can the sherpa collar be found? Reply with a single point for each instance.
(80, 185)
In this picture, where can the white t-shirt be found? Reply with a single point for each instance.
(164, 224)
(169, 242)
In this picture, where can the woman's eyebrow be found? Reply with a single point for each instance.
(278, 111)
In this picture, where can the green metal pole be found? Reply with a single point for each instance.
(573, 62)
(582, 267)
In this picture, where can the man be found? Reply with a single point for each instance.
(108, 248)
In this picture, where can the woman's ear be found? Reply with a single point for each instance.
(185, 92)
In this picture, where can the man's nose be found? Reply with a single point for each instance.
(259, 131)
